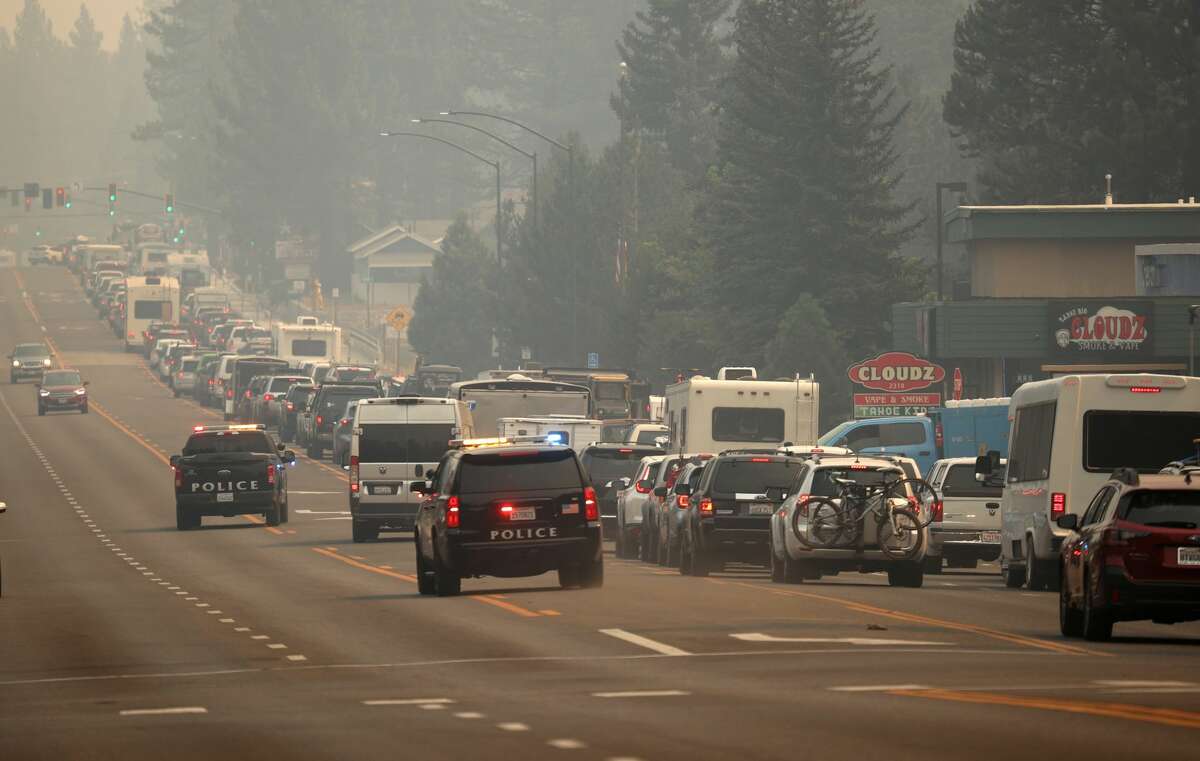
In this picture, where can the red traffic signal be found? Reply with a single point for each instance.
(60, 196)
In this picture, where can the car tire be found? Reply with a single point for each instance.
(426, 583)
(446, 582)
(283, 513)
(185, 521)
(591, 574)
(777, 566)
(1013, 577)
(933, 564)
(41, 410)
(363, 532)
(568, 576)
(686, 559)
(273, 515)
(175, 391)
(314, 453)
(83, 410)
(701, 564)
(1036, 577)
(906, 575)
(1097, 624)
(673, 549)
(1070, 620)
(648, 540)
(796, 571)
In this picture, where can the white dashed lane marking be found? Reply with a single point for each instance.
(513, 726)
(164, 711)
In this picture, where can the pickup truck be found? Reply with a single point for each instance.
(962, 428)
(970, 527)
(230, 470)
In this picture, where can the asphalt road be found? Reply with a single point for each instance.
(123, 638)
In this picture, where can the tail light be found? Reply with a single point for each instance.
(291, 407)
(1115, 537)
(641, 488)
(1058, 504)
(452, 514)
(228, 393)
(320, 420)
(706, 506)
(506, 510)
(344, 421)
(354, 473)
(802, 503)
(268, 397)
(247, 393)
(937, 511)
(682, 501)
(210, 381)
(270, 475)
(591, 508)
(178, 477)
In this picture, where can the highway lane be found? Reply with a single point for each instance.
(691, 667)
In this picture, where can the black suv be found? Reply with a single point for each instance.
(327, 407)
(229, 470)
(728, 515)
(507, 509)
(612, 468)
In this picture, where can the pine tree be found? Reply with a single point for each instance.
(673, 61)
(803, 200)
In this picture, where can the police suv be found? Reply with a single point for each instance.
(228, 470)
(507, 507)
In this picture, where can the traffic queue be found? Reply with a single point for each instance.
(1082, 484)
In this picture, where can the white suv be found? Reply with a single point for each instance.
(970, 526)
(631, 500)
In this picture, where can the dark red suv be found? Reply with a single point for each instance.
(1134, 554)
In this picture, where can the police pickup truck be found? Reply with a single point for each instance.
(229, 470)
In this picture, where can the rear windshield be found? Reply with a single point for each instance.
(1143, 440)
(610, 391)
(299, 393)
(308, 347)
(616, 433)
(752, 424)
(247, 370)
(1164, 508)
(189, 365)
(419, 442)
(747, 476)
(514, 472)
(960, 482)
(649, 437)
(232, 441)
(824, 484)
(281, 384)
(334, 402)
(355, 373)
(604, 465)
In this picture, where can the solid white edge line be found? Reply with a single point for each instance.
(642, 694)
(164, 711)
(881, 687)
(649, 644)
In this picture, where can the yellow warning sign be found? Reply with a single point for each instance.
(399, 318)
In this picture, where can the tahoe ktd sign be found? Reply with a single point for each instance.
(1110, 329)
(896, 371)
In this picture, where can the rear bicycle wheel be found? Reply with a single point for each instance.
(828, 524)
(919, 495)
(900, 536)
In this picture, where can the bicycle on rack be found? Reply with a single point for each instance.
(901, 509)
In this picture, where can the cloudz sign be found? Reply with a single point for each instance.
(1107, 330)
(896, 371)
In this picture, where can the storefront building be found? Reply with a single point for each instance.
(1055, 290)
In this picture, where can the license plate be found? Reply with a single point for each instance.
(381, 490)
(224, 497)
(1189, 556)
(524, 514)
(761, 508)
(990, 537)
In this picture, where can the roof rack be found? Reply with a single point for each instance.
(1127, 476)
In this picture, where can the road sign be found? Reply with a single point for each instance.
(593, 360)
(399, 318)
(891, 405)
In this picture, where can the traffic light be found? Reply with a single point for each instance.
(112, 192)
(28, 204)
(67, 201)
(170, 203)
(60, 196)
(47, 198)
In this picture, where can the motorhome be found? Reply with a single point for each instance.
(298, 343)
(152, 257)
(89, 255)
(1067, 436)
(519, 396)
(707, 415)
(148, 299)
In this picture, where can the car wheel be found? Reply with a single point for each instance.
(672, 554)
(1036, 578)
(185, 521)
(1097, 624)
(644, 546)
(933, 564)
(777, 572)
(426, 583)
(686, 559)
(1013, 577)
(273, 516)
(591, 574)
(906, 575)
(796, 571)
(568, 576)
(447, 582)
(1070, 620)
(701, 564)
(363, 532)
(83, 410)
(41, 410)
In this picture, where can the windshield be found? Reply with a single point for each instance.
(835, 433)
(30, 350)
(610, 391)
(61, 378)
(334, 402)
(400, 443)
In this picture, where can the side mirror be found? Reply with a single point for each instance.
(660, 491)
(625, 483)
(608, 484)
(683, 489)
(174, 460)
(1070, 521)
(289, 456)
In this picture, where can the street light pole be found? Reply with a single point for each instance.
(531, 156)
(960, 187)
(494, 164)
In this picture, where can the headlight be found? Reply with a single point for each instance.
(81, 391)
(46, 361)
(43, 392)
(16, 363)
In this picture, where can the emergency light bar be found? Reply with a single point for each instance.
(230, 427)
(496, 441)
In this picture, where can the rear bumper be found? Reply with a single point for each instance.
(1131, 600)
(398, 516)
(243, 502)
(747, 543)
(961, 543)
(523, 557)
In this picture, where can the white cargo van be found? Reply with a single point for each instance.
(1067, 436)
(396, 442)
(575, 431)
(706, 415)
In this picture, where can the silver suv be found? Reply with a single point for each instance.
(631, 501)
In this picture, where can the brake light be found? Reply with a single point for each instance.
(937, 511)
(228, 393)
(291, 407)
(1058, 504)
(270, 475)
(320, 419)
(641, 488)
(452, 513)
(247, 393)
(706, 506)
(591, 508)
(268, 397)
(506, 511)
(344, 421)
(354, 473)
(760, 459)
(1145, 389)
(1115, 537)
(625, 451)
(178, 477)
(802, 503)
(683, 501)
(210, 381)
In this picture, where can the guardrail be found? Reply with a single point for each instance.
(363, 342)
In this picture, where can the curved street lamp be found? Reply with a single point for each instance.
(493, 164)
(531, 156)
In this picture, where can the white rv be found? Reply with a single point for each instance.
(300, 343)
(1067, 436)
(518, 396)
(148, 299)
(706, 415)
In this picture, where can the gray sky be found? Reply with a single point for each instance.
(108, 15)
